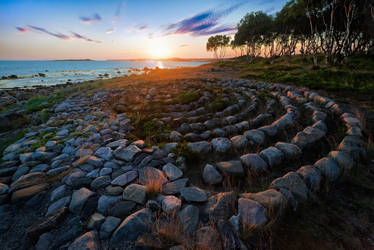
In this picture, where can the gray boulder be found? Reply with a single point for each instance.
(231, 167)
(108, 226)
(311, 176)
(293, 182)
(189, 217)
(251, 214)
(88, 240)
(126, 153)
(133, 226)
(78, 199)
(211, 175)
(221, 144)
(272, 156)
(289, 150)
(254, 162)
(343, 159)
(329, 168)
(125, 178)
(220, 206)
(135, 192)
(193, 194)
(171, 204)
(202, 147)
(172, 172)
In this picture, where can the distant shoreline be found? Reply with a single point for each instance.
(174, 59)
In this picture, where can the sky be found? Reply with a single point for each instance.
(118, 29)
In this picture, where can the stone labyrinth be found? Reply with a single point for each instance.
(209, 159)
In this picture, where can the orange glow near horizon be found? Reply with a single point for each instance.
(159, 48)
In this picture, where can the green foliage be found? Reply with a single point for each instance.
(218, 104)
(42, 138)
(42, 102)
(186, 97)
(297, 71)
(44, 115)
(189, 154)
(265, 96)
(218, 42)
(12, 139)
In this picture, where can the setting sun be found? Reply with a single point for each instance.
(159, 48)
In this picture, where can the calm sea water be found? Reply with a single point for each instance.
(59, 72)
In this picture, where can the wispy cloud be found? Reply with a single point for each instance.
(21, 29)
(118, 11)
(184, 45)
(92, 19)
(78, 36)
(204, 23)
(140, 26)
(110, 31)
(57, 35)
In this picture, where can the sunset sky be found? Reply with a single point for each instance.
(118, 29)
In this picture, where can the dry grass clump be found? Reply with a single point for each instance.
(153, 185)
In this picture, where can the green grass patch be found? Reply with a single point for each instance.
(357, 75)
(186, 97)
(44, 115)
(12, 139)
(42, 138)
(189, 154)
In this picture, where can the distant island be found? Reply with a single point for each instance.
(73, 60)
(175, 59)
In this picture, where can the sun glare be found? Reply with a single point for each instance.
(158, 48)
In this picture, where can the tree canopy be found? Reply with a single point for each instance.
(218, 45)
(336, 29)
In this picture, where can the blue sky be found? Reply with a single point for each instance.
(118, 29)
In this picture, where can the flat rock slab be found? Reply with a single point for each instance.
(126, 153)
(193, 194)
(28, 180)
(46, 224)
(26, 193)
(125, 178)
(174, 187)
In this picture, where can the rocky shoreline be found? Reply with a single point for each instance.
(179, 164)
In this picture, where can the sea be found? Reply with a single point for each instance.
(33, 73)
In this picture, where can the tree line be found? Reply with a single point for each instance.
(335, 29)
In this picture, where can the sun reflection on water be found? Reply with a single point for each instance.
(160, 64)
